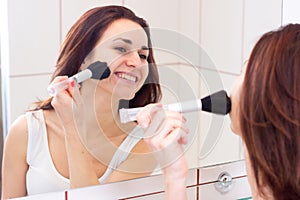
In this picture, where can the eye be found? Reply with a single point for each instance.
(121, 49)
(143, 56)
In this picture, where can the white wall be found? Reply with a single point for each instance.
(225, 31)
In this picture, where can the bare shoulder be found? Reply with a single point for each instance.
(14, 165)
(18, 130)
(17, 139)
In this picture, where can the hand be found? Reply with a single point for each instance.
(165, 134)
(71, 112)
(69, 106)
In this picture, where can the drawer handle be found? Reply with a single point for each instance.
(224, 183)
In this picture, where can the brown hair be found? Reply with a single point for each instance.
(270, 112)
(83, 37)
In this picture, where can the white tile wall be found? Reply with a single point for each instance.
(259, 17)
(71, 10)
(291, 12)
(159, 14)
(24, 90)
(33, 36)
(221, 33)
(163, 18)
(217, 142)
(181, 83)
(189, 19)
(189, 89)
(33, 47)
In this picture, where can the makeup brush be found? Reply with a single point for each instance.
(217, 103)
(97, 70)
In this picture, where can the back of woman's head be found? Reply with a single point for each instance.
(83, 37)
(270, 112)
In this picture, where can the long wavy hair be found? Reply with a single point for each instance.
(83, 37)
(270, 113)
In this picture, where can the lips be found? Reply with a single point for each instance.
(126, 76)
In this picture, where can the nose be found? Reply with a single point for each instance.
(133, 59)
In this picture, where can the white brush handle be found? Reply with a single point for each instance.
(129, 114)
(55, 88)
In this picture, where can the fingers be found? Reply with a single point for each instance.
(154, 114)
(162, 128)
(73, 90)
(71, 87)
(59, 79)
(66, 102)
(144, 116)
(176, 137)
(167, 121)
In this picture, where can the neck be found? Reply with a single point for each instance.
(103, 113)
(252, 181)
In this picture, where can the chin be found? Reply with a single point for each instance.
(126, 96)
(234, 129)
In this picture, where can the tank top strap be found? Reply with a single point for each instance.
(36, 135)
(123, 152)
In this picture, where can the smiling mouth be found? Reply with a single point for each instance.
(126, 77)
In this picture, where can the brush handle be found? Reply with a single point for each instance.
(97, 70)
(55, 88)
(217, 103)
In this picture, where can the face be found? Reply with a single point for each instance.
(124, 46)
(235, 102)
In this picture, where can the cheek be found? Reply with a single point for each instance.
(234, 124)
(144, 73)
(234, 115)
(235, 103)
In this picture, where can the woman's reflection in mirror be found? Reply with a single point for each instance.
(75, 138)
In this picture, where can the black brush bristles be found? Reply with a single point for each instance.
(99, 70)
(218, 103)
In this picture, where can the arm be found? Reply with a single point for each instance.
(14, 165)
(165, 133)
(70, 110)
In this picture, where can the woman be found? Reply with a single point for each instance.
(76, 139)
(265, 113)
(268, 115)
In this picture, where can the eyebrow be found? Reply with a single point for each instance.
(130, 42)
(124, 40)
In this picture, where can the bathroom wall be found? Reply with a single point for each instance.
(223, 31)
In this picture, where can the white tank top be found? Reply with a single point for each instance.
(42, 176)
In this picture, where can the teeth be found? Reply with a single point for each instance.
(127, 77)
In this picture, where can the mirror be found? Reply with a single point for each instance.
(203, 44)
